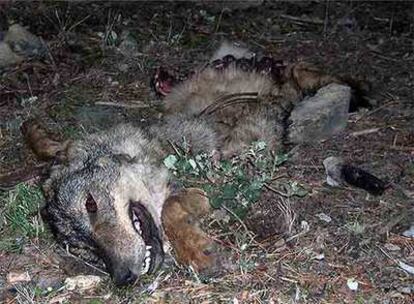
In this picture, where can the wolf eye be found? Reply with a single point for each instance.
(90, 204)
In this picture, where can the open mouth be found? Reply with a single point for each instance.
(162, 82)
(145, 226)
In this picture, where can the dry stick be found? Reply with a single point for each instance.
(377, 109)
(301, 20)
(364, 132)
(326, 21)
(267, 186)
(240, 221)
(402, 148)
(121, 105)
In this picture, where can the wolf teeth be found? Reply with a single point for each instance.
(137, 226)
(146, 265)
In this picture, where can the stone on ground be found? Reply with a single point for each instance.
(24, 43)
(7, 56)
(321, 115)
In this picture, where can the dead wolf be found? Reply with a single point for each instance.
(110, 198)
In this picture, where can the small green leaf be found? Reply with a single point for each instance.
(192, 163)
(259, 145)
(170, 161)
(280, 159)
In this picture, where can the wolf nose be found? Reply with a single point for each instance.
(128, 277)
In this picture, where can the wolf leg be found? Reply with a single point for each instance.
(191, 244)
(42, 143)
(308, 78)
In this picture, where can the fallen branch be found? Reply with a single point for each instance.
(301, 20)
(121, 105)
(364, 132)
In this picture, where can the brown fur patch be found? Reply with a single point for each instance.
(41, 142)
(190, 244)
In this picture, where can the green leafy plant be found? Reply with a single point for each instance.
(234, 184)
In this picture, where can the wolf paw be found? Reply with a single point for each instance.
(191, 245)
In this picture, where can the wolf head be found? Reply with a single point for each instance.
(105, 203)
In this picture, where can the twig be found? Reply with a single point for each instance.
(78, 23)
(301, 20)
(325, 22)
(121, 105)
(174, 148)
(239, 220)
(402, 148)
(267, 186)
(364, 132)
(377, 109)
(380, 55)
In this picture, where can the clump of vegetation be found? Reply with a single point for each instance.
(233, 184)
(20, 219)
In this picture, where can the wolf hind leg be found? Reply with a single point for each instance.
(309, 78)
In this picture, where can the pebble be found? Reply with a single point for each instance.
(82, 282)
(18, 277)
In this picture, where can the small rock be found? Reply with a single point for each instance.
(319, 257)
(18, 277)
(406, 267)
(7, 56)
(24, 43)
(123, 67)
(324, 217)
(392, 247)
(82, 282)
(352, 284)
(128, 45)
(47, 280)
(221, 215)
(409, 232)
(333, 168)
(338, 173)
(59, 299)
(406, 289)
(320, 116)
(304, 225)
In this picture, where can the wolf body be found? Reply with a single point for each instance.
(112, 198)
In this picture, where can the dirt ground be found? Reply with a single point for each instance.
(347, 246)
